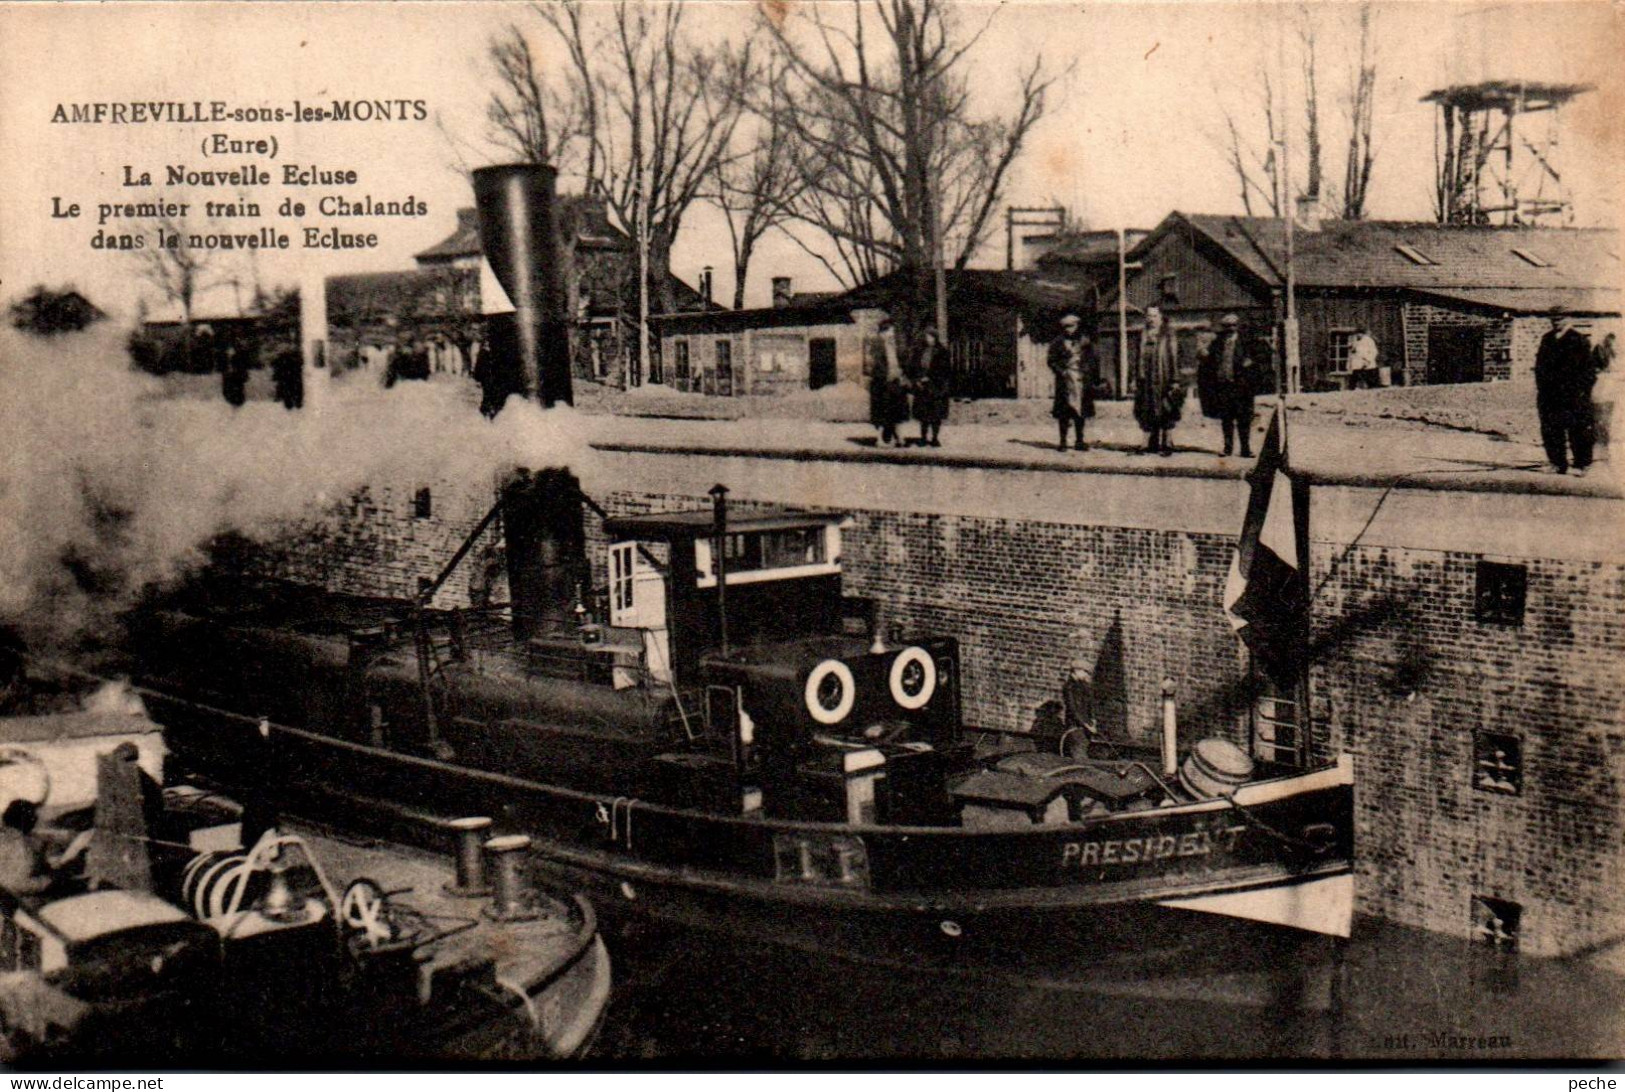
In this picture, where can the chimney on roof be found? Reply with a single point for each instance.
(1308, 218)
(782, 295)
(705, 285)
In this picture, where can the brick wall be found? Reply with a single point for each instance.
(376, 544)
(1406, 676)
(1503, 341)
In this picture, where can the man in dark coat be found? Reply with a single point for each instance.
(1565, 370)
(928, 382)
(888, 395)
(233, 373)
(288, 375)
(1158, 393)
(1224, 384)
(411, 361)
(1077, 369)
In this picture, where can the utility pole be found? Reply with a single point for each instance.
(1289, 328)
(940, 275)
(643, 274)
(1052, 217)
(1122, 312)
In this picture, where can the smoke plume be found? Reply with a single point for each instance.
(113, 484)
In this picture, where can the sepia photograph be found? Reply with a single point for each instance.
(902, 534)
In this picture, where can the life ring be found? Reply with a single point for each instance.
(830, 692)
(913, 678)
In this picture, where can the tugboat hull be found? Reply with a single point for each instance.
(1123, 893)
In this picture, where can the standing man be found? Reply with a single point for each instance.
(1565, 369)
(888, 397)
(1158, 393)
(1224, 384)
(1072, 358)
(1363, 361)
(288, 374)
(928, 379)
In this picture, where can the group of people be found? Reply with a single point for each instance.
(918, 388)
(1229, 373)
(234, 361)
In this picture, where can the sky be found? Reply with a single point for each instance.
(1127, 136)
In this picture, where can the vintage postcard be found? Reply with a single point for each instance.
(884, 532)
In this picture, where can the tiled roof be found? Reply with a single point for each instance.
(1398, 254)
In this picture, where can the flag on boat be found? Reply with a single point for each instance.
(1267, 592)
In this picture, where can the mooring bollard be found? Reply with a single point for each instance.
(510, 901)
(470, 882)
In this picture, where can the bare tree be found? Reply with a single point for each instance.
(1255, 119)
(180, 272)
(896, 171)
(1308, 34)
(654, 109)
(1257, 168)
(757, 184)
(535, 121)
(1361, 106)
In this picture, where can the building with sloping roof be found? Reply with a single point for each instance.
(1445, 304)
(439, 301)
(999, 325)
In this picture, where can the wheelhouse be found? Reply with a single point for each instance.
(780, 578)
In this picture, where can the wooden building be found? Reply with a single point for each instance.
(802, 342)
(1444, 304)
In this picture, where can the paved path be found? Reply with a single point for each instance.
(1333, 453)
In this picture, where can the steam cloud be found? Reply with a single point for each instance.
(112, 484)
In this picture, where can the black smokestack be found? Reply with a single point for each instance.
(547, 550)
(530, 346)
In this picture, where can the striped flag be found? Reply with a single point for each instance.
(1267, 592)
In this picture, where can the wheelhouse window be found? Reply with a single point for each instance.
(770, 554)
(775, 549)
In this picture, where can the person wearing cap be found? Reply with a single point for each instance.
(1224, 385)
(1158, 392)
(1565, 371)
(1072, 359)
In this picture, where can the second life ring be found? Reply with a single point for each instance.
(913, 678)
(830, 692)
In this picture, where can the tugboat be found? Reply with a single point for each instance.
(157, 936)
(789, 775)
(704, 737)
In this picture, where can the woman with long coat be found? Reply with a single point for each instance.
(1072, 358)
(1158, 394)
(928, 380)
